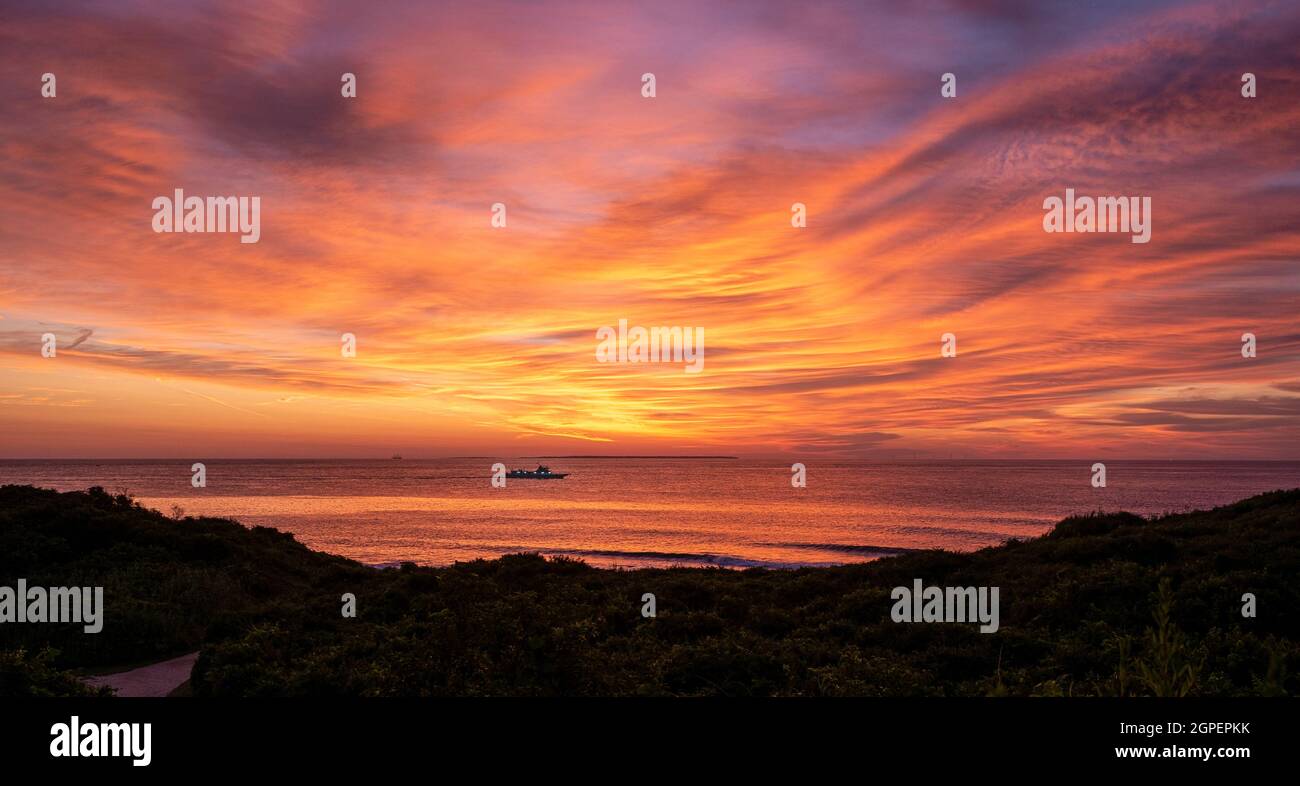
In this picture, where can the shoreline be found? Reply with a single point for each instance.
(669, 560)
(619, 514)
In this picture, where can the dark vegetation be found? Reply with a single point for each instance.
(1107, 604)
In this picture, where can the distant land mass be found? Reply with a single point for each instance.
(631, 457)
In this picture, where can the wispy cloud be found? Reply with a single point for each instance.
(924, 218)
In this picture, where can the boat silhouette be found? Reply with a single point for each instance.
(542, 472)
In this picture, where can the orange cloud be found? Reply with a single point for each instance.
(924, 219)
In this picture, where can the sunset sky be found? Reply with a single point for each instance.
(924, 217)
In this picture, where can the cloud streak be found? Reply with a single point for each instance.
(924, 219)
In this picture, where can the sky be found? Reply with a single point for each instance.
(924, 217)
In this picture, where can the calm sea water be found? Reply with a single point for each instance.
(637, 512)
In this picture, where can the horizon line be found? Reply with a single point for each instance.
(756, 457)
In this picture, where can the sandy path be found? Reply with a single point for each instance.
(156, 679)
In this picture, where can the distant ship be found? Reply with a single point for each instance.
(541, 473)
(397, 457)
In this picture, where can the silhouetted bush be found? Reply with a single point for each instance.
(1082, 613)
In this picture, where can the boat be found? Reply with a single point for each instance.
(397, 457)
(542, 472)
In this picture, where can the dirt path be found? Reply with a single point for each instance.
(158, 679)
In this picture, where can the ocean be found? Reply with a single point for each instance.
(658, 512)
